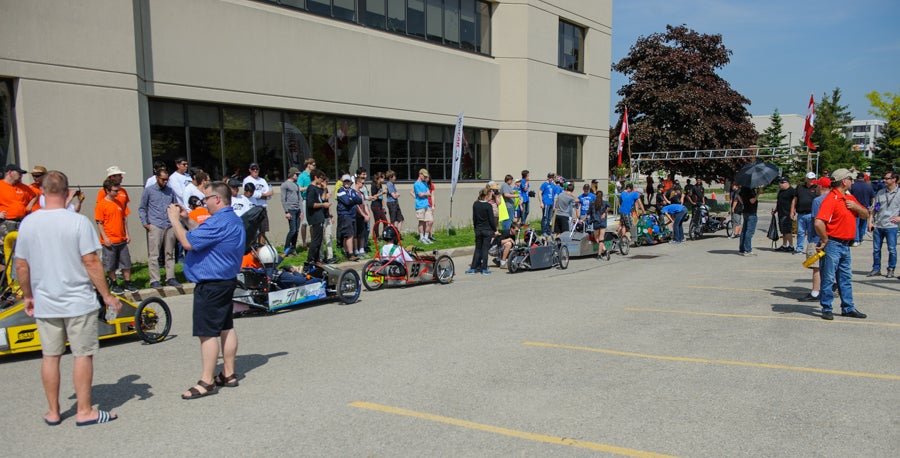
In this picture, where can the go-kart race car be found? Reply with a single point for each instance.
(579, 241)
(397, 267)
(533, 253)
(150, 320)
(263, 287)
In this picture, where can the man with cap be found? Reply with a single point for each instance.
(784, 207)
(424, 212)
(292, 204)
(864, 193)
(347, 200)
(262, 200)
(15, 200)
(836, 227)
(37, 175)
(585, 200)
(885, 214)
(118, 175)
(805, 193)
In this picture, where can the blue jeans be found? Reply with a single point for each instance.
(862, 225)
(747, 231)
(547, 219)
(804, 229)
(678, 226)
(525, 209)
(835, 266)
(504, 225)
(878, 236)
(290, 242)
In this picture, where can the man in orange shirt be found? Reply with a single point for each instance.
(835, 225)
(15, 200)
(110, 218)
(37, 173)
(198, 212)
(117, 174)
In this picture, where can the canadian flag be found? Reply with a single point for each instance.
(810, 122)
(622, 134)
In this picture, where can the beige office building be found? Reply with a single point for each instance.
(353, 83)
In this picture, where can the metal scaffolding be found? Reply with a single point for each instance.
(771, 152)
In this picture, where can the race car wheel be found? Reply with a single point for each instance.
(443, 269)
(729, 228)
(563, 257)
(372, 278)
(513, 266)
(624, 246)
(348, 286)
(153, 320)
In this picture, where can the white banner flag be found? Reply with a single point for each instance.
(457, 153)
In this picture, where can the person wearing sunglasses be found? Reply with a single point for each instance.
(152, 211)
(883, 220)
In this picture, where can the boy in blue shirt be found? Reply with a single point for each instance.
(549, 190)
(628, 200)
(586, 199)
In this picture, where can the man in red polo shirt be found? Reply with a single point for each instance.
(835, 225)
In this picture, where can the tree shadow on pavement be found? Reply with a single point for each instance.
(115, 395)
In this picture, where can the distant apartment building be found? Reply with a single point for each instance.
(862, 133)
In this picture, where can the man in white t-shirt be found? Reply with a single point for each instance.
(239, 202)
(179, 179)
(260, 197)
(58, 268)
(194, 187)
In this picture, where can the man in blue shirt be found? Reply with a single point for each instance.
(214, 250)
(628, 200)
(549, 190)
(347, 200)
(524, 189)
(424, 212)
(152, 211)
(586, 199)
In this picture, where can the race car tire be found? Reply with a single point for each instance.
(513, 266)
(152, 320)
(444, 269)
(371, 280)
(729, 228)
(624, 246)
(348, 286)
(563, 257)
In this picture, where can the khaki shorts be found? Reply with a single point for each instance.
(809, 250)
(425, 214)
(80, 331)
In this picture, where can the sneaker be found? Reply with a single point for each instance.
(488, 272)
(749, 253)
(173, 282)
(470, 271)
(854, 314)
(827, 316)
(431, 237)
(129, 286)
(116, 289)
(854, 244)
(502, 264)
(890, 273)
(353, 258)
(874, 273)
(156, 284)
(809, 298)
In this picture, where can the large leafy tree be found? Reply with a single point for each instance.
(887, 107)
(677, 101)
(887, 151)
(829, 135)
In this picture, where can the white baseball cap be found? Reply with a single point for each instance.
(811, 176)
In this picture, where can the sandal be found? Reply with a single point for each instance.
(231, 381)
(209, 389)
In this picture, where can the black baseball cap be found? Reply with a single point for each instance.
(13, 168)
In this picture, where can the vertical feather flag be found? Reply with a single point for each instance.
(622, 134)
(810, 122)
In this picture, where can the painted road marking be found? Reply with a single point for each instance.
(507, 432)
(735, 315)
(726, 288)
(716, 361)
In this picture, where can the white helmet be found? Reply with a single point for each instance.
(267, 254)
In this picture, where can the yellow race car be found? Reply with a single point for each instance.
(151, 319)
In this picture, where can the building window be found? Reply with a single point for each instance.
(461, 24)
(167, 131)
(568, 156)
(571, 47)
(8, 153)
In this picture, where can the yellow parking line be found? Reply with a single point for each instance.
(507, 432)
(770, 271)
(735, 315)
(728, 288)
(716, 361)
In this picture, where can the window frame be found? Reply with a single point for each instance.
(566, 30)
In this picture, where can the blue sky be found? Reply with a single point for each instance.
(782, 50)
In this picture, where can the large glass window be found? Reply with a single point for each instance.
(483, 27)
(206, 139)
(417, 157)
(322, 143)
(320, 7)
(467, 31)
(437, 164)
(344, 10)
(415, 17)
(167, 131)
(269, 143)
(571, 47)
(374, 14)
(7, 139)
(238, 145)
(399, 150)
(379, 159)
(296, 143)
(396, 16)
(346, 148)
(568, 156)
(434, 21)
(299, 4)
(451, 22)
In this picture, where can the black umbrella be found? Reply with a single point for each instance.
(756, 174)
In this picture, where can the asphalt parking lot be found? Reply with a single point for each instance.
(684, 350)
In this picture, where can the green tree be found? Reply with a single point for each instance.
(829, 135)
(772, 136)
(887, 107)
(887, 151)
(677, 101)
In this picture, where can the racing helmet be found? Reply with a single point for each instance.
(267, 254)
(389, 235)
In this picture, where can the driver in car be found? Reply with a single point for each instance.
(391, 251)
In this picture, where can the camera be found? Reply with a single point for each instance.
(530, 193)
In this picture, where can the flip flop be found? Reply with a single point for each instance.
(102, 417)
(210, 388)
(52, 423)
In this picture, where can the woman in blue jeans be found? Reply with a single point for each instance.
(678, 212)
